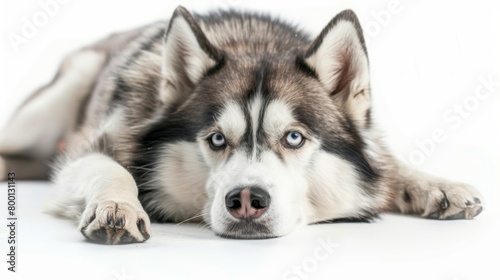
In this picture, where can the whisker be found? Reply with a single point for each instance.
(189, 219)
(140, 168)
(203, 225)
(148, 182)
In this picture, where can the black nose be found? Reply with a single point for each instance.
(247, 202)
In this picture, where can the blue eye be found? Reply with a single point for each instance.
(294, 139)
(217, 140)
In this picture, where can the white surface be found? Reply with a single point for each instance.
(428, 57)
(395, 247)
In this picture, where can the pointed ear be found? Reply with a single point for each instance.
(187, 55)
(339, 59)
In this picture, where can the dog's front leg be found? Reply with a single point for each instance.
(431, 197)
(113, 213)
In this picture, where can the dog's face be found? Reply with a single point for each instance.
(276, 132)
(258, 149)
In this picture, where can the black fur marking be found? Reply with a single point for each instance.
(406, 197)
(305, 68)
(349, 148)
(349, 220)
(353, 154)
(92, 218)
(367, 216)
(247, 140)
(219, 64)
(178, 127)
(266, 99)
(261, 89)
(368, 118)
(121, 88)
(352, 151)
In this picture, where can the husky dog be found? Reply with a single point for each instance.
(236, 119)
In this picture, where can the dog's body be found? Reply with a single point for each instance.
(236, 119)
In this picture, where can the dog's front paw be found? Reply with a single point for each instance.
(115, 222)
(452, 201)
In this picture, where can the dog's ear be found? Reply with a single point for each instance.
(187, 55)
(339, 59)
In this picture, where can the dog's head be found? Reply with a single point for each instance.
(270, 121)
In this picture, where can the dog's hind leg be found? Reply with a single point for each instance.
(415, 192)
(38, 128)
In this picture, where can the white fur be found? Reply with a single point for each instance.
(92, 177)
(255, 108)
(181, 177)
(341, 39)
(341, 49)
(181, 41)
(113, 125)
(285, 182)
(232, 121)
(97, 186)
(334, 189)
(287, 191)
(54, 111)
(277, 119)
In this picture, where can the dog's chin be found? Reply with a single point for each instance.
(246, 229)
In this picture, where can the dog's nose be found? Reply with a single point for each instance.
(247, 202)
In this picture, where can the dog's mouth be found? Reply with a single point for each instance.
(247, 229)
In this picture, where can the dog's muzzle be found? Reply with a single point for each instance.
(247, 205)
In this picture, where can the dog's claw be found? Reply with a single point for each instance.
(444, 202)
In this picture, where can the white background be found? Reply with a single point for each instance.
(426, 58)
